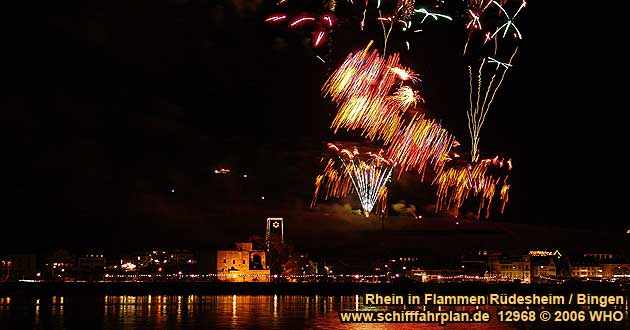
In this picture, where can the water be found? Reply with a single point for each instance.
(224, 312)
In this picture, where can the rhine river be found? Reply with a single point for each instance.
(267, 312)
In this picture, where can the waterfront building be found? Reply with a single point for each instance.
(20, 266)
(586, 267)
(511, 268)
(544, 267)
(91, 266)
(243, 264)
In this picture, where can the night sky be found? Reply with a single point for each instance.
(117, 113)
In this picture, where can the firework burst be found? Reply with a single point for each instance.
(320, 24)
(419, 144)
(361, 88)
(481, 179)
(368, 173)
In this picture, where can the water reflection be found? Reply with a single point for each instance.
(220, 312)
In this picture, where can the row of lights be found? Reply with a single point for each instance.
(249, 275)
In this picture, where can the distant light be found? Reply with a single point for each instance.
(419, 217)
(457, 223)
(38, 274)
(628, 231)
(172, 190)
(179, 273)
(262, 197)
(244, 175)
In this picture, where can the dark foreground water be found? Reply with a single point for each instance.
(186, 312)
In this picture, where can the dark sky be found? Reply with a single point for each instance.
(117, 112)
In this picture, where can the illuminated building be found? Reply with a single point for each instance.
(542, 253)
(475, 263)
(511, 268)
(60, 265)
(615, 267)
(91, 262)
(244, 264)
(598, 256)
(587, 267)
(182, 257)
(6, 267)
(586, 270)
(91, 266)
(274, 232)
(162, 257)
(605, 265)
(546, 264)
(18, 267)
(544, 268)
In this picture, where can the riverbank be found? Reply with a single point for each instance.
(326, 289)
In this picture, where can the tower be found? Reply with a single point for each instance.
(274, 232)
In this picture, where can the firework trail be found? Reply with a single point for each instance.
(480, 102)
(492, 24)
(337, 183)
(475, 11)
(402, 15)
(368, 173)
(361, 85)
(510, 21)
(419, 144)
(361, 88)
(432, 15)
(480, 179)
(321, 24)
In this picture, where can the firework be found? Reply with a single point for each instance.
(276, 18)
(336, 182)
(481, 101)
(405, 74)
(368, 173)
(419, 144)
(480, 179)
(404, 9)
(430, 14)
(499, 63)
(323, 24)
(361, 88)
(405, 97)
(402, 14)
(475, 12)
(510, 21)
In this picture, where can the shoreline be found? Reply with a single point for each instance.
(324, 289)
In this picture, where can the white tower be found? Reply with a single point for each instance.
(275, 226)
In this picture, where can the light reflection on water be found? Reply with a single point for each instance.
(221, 312)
